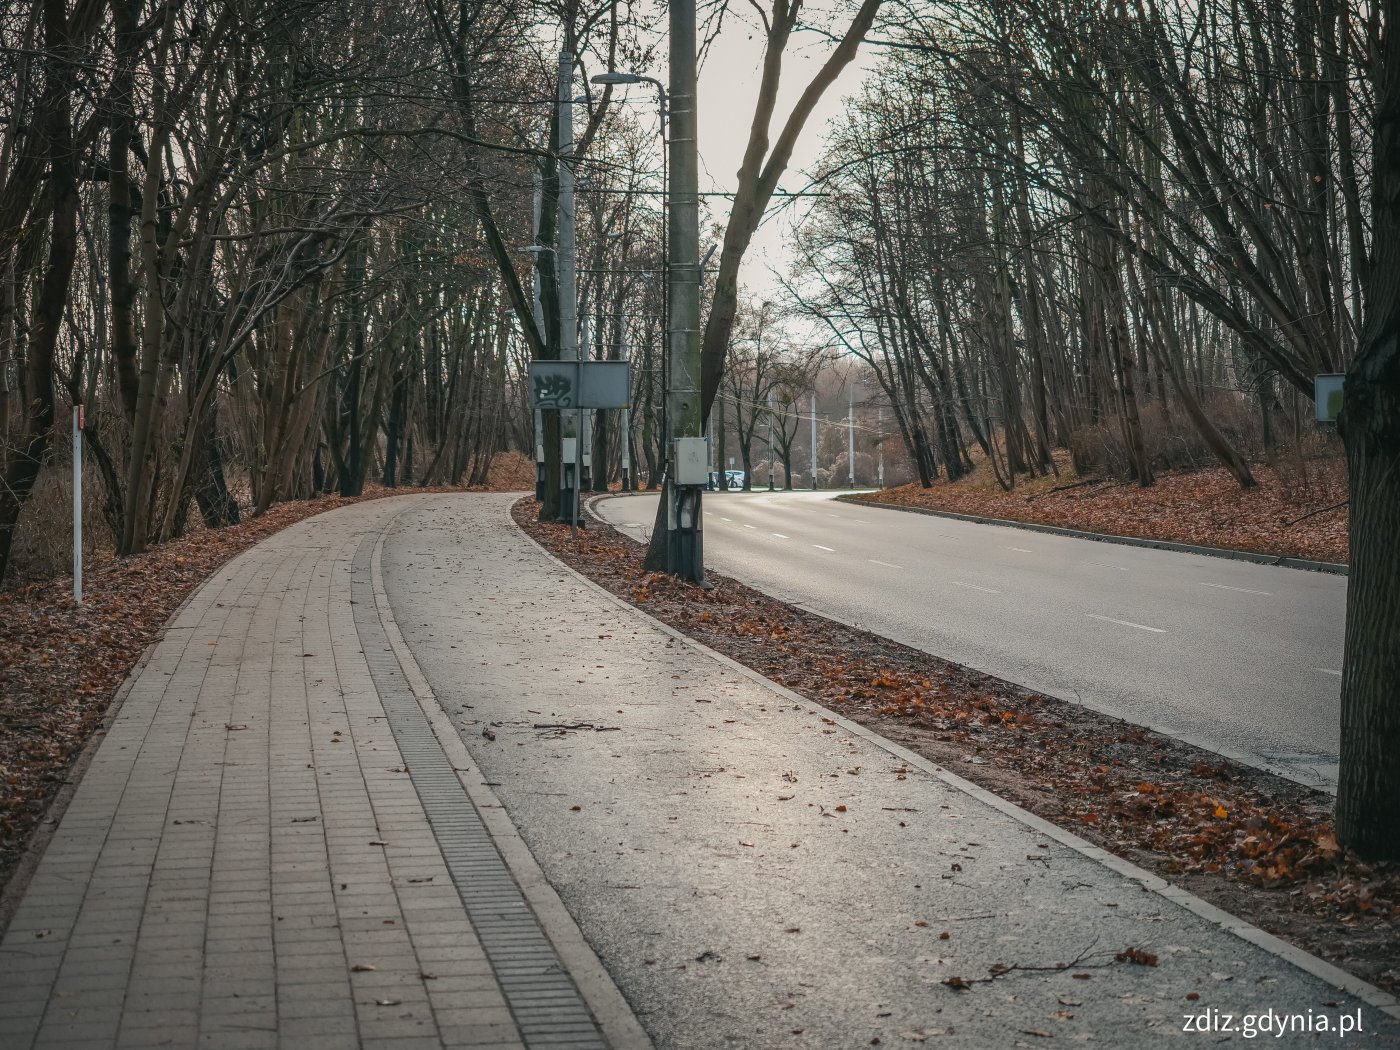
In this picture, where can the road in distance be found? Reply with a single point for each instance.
(1242, 658)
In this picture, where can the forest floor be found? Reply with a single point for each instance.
(1292, 513)
(61, 664)
(1258, 846)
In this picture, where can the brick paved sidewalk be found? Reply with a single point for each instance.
(272, 848)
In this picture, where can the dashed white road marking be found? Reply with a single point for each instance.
(821, 548)
(1127, 623)
(1242, 590)
(888, 565)
(1328, 670)
(1023, 550)
(779, 535)
(750, 526)
(862, 521)
(973, 587)
(723, 518)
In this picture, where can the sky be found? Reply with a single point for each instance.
(728, 83)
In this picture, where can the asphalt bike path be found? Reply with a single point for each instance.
(755, 872)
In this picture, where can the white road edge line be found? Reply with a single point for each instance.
(821, 548)
(1242, 590)
(888, 565)
(1127, 623)
(973, 587)
(1328, 670)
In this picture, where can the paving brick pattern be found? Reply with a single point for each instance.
(542, 997)
(247, 861)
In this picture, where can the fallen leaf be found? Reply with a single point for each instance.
(1137, 956)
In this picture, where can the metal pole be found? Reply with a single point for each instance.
(625, 424)
(568, 277)
(585, 417)
(770, 441)
(78, 504)
(814, 441)
(880, 441)
(685, 555)
(851, 437)
(538, 309)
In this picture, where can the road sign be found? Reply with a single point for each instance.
(1327, 392)
(580, 384)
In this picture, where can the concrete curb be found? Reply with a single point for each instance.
(1105, 537)
(610, 1009)
(1311, 964)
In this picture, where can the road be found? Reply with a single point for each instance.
(1241, 658)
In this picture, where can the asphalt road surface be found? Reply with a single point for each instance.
(1241, 658)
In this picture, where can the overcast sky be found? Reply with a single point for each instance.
(728, 83)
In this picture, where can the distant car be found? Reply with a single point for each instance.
(730, 479)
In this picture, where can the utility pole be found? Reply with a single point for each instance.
(851, 436)
(814, 441)
(685, 480)
(570, 423)
(537, 305)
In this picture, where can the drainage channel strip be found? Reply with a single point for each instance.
(542, 997)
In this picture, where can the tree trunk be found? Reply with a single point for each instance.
(217, 506)
(23, 468)
(1368, 788)
(120, 211)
